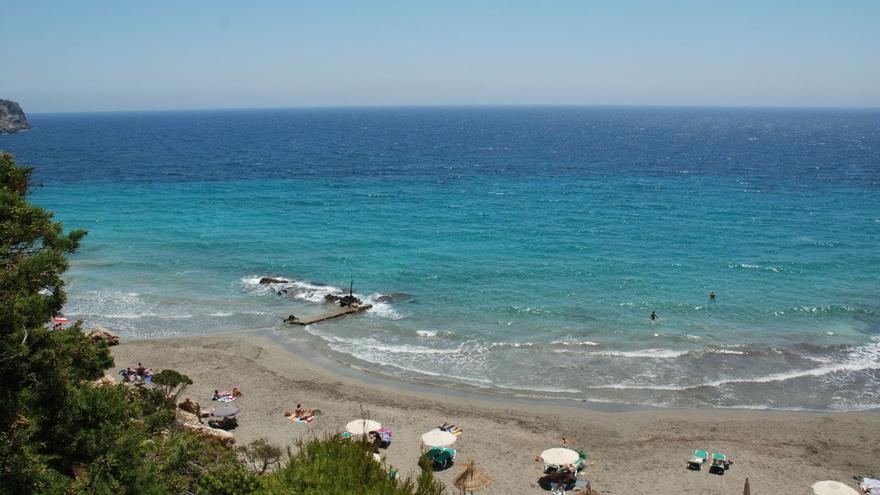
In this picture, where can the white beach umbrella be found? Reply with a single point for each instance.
(362, 426)
(560, 456)
(438, 438)
(832, 488)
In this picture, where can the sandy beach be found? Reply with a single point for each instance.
(631, 451)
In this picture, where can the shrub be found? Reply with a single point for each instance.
(339, 466)
(172, 383)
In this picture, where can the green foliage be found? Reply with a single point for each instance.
(339, 466)
(260, 455)
(172, 383)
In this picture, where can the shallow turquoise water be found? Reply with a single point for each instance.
(524, 248)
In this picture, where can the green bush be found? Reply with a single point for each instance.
(340, 466)
(172, 382)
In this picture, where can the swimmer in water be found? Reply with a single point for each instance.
(712, 295)
(653, 315)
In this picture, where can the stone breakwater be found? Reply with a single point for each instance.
(12, 117)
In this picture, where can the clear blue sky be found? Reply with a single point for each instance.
(118, 55)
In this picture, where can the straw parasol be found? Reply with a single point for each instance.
(472, 479)
(362, 426)
(747, 490)
(438, 438)
(560, 456)
(832, 488)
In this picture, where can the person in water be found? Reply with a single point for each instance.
(653, 315)
(712, 295)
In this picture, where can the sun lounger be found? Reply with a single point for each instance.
(451, 428)
(720, 464)
(696, 462)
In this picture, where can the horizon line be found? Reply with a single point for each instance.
(465, 106)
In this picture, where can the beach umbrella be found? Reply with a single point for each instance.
(362, 426)
(747, 490)
(560, 456)
(438, 438)
(472, 479)
(222, 412)
(60, 320)
(832, 488)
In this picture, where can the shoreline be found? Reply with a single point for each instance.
(632, 450)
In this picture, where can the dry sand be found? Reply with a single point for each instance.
(631, 452)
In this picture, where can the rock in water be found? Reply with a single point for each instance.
(347, 300)
(271, 280)
(12, 117)
(393, 297)
(100, 333)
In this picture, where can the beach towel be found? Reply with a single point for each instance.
(870, 485)
(302, 420)
(224, 396)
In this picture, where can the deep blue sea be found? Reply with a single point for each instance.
(516, 250)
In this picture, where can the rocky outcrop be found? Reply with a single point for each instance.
(102, 334)
(342, 300)
(12, 117)
(104, 380)
(272, 280)
(191, 422)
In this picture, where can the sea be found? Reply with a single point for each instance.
(517, 251)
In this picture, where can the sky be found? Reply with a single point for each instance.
(60, 56)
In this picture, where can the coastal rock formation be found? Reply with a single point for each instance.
(104, 380)
(191, 422)
(291, 319)
(342, 300)
(271, 280)
(102, 334)
(12, 117)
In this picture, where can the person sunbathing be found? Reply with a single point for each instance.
(236, 392)
(301, 413)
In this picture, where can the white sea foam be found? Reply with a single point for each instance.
(575, 343)
(750, 266)
(435, 333)
(645, 353)
(862, 358)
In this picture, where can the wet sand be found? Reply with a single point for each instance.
(631, 451)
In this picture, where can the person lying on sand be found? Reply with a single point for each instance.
(302, 413)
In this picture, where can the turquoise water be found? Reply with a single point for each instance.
(518, 250)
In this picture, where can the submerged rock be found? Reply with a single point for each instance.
(291, 319)
(393, 297)
(272, 280)
(12, 117)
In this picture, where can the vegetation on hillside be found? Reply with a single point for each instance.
(60, 433)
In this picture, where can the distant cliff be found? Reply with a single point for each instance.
(12, 117)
